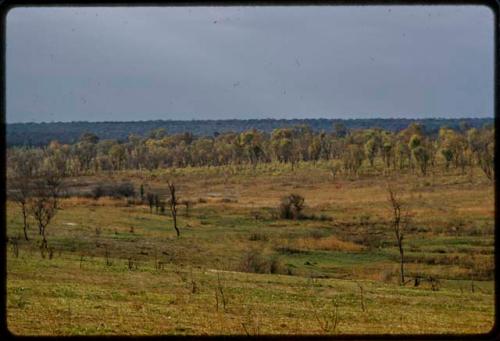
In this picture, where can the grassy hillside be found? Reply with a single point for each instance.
(237, 268)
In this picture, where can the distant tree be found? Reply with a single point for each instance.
(151, 201)
(89, 138)
(387, 152)
(334, 168)
(173, 206)
(400, 221)
(371, 150)
(156, 203)
(448, 156)
(43, 207)
(142, 192)
(20, 192)
(117, 156)
(352, 158)
(421, 155)
(486, 152)
(339, 129)
(158, 133)
(402, 154)
(22, 165)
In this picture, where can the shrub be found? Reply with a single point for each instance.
(124, 189)
(291, 206)
(276, 266)
(97, 192)
(255, 261)
(258, 236)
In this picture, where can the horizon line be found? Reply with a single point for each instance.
(262, 119)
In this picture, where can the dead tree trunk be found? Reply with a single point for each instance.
(173, 207)
(24, 210)
(399, 224)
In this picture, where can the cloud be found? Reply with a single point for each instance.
(98, 64)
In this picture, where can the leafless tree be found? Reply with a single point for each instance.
(151, 201)
(173, 206)
(22, 166)
(54, 185)
(19, 190)
(400, 221)
(43, 206)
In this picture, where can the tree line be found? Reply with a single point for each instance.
(346, 151)
(39, 134)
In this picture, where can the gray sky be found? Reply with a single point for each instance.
(109, 64)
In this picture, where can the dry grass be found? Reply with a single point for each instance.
(330, 243)
(68, 295)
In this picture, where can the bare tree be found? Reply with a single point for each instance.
(22, 165)
(400, 221)
(54, 185)
(20, 192)
(43, 207)
(151, 201)
(173, 206)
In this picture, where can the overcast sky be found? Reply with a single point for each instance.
(120, 64)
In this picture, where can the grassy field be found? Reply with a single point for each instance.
(238, 269)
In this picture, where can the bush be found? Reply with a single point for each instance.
(276, 266)
(254, 261)
(258, 236)
(291, 206)
(124, 189)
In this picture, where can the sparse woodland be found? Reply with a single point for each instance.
(409, 149)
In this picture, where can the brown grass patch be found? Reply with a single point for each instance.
(103, 201)
(330, 243)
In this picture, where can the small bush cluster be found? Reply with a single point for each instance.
(256, 262)
(114, 190)
(291, 207)
(256, 236)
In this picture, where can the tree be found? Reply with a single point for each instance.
(400, 221)
(486, 153)
(20, 192)
(339, 130)
(173, 206)
(371, 150)
(352, 158)
(157, 133)
(53, 184)
(23, 164)
(448, 156)
(334, 168)
(421, 156)
(43, 207)
(151, 201)
(141, 191)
